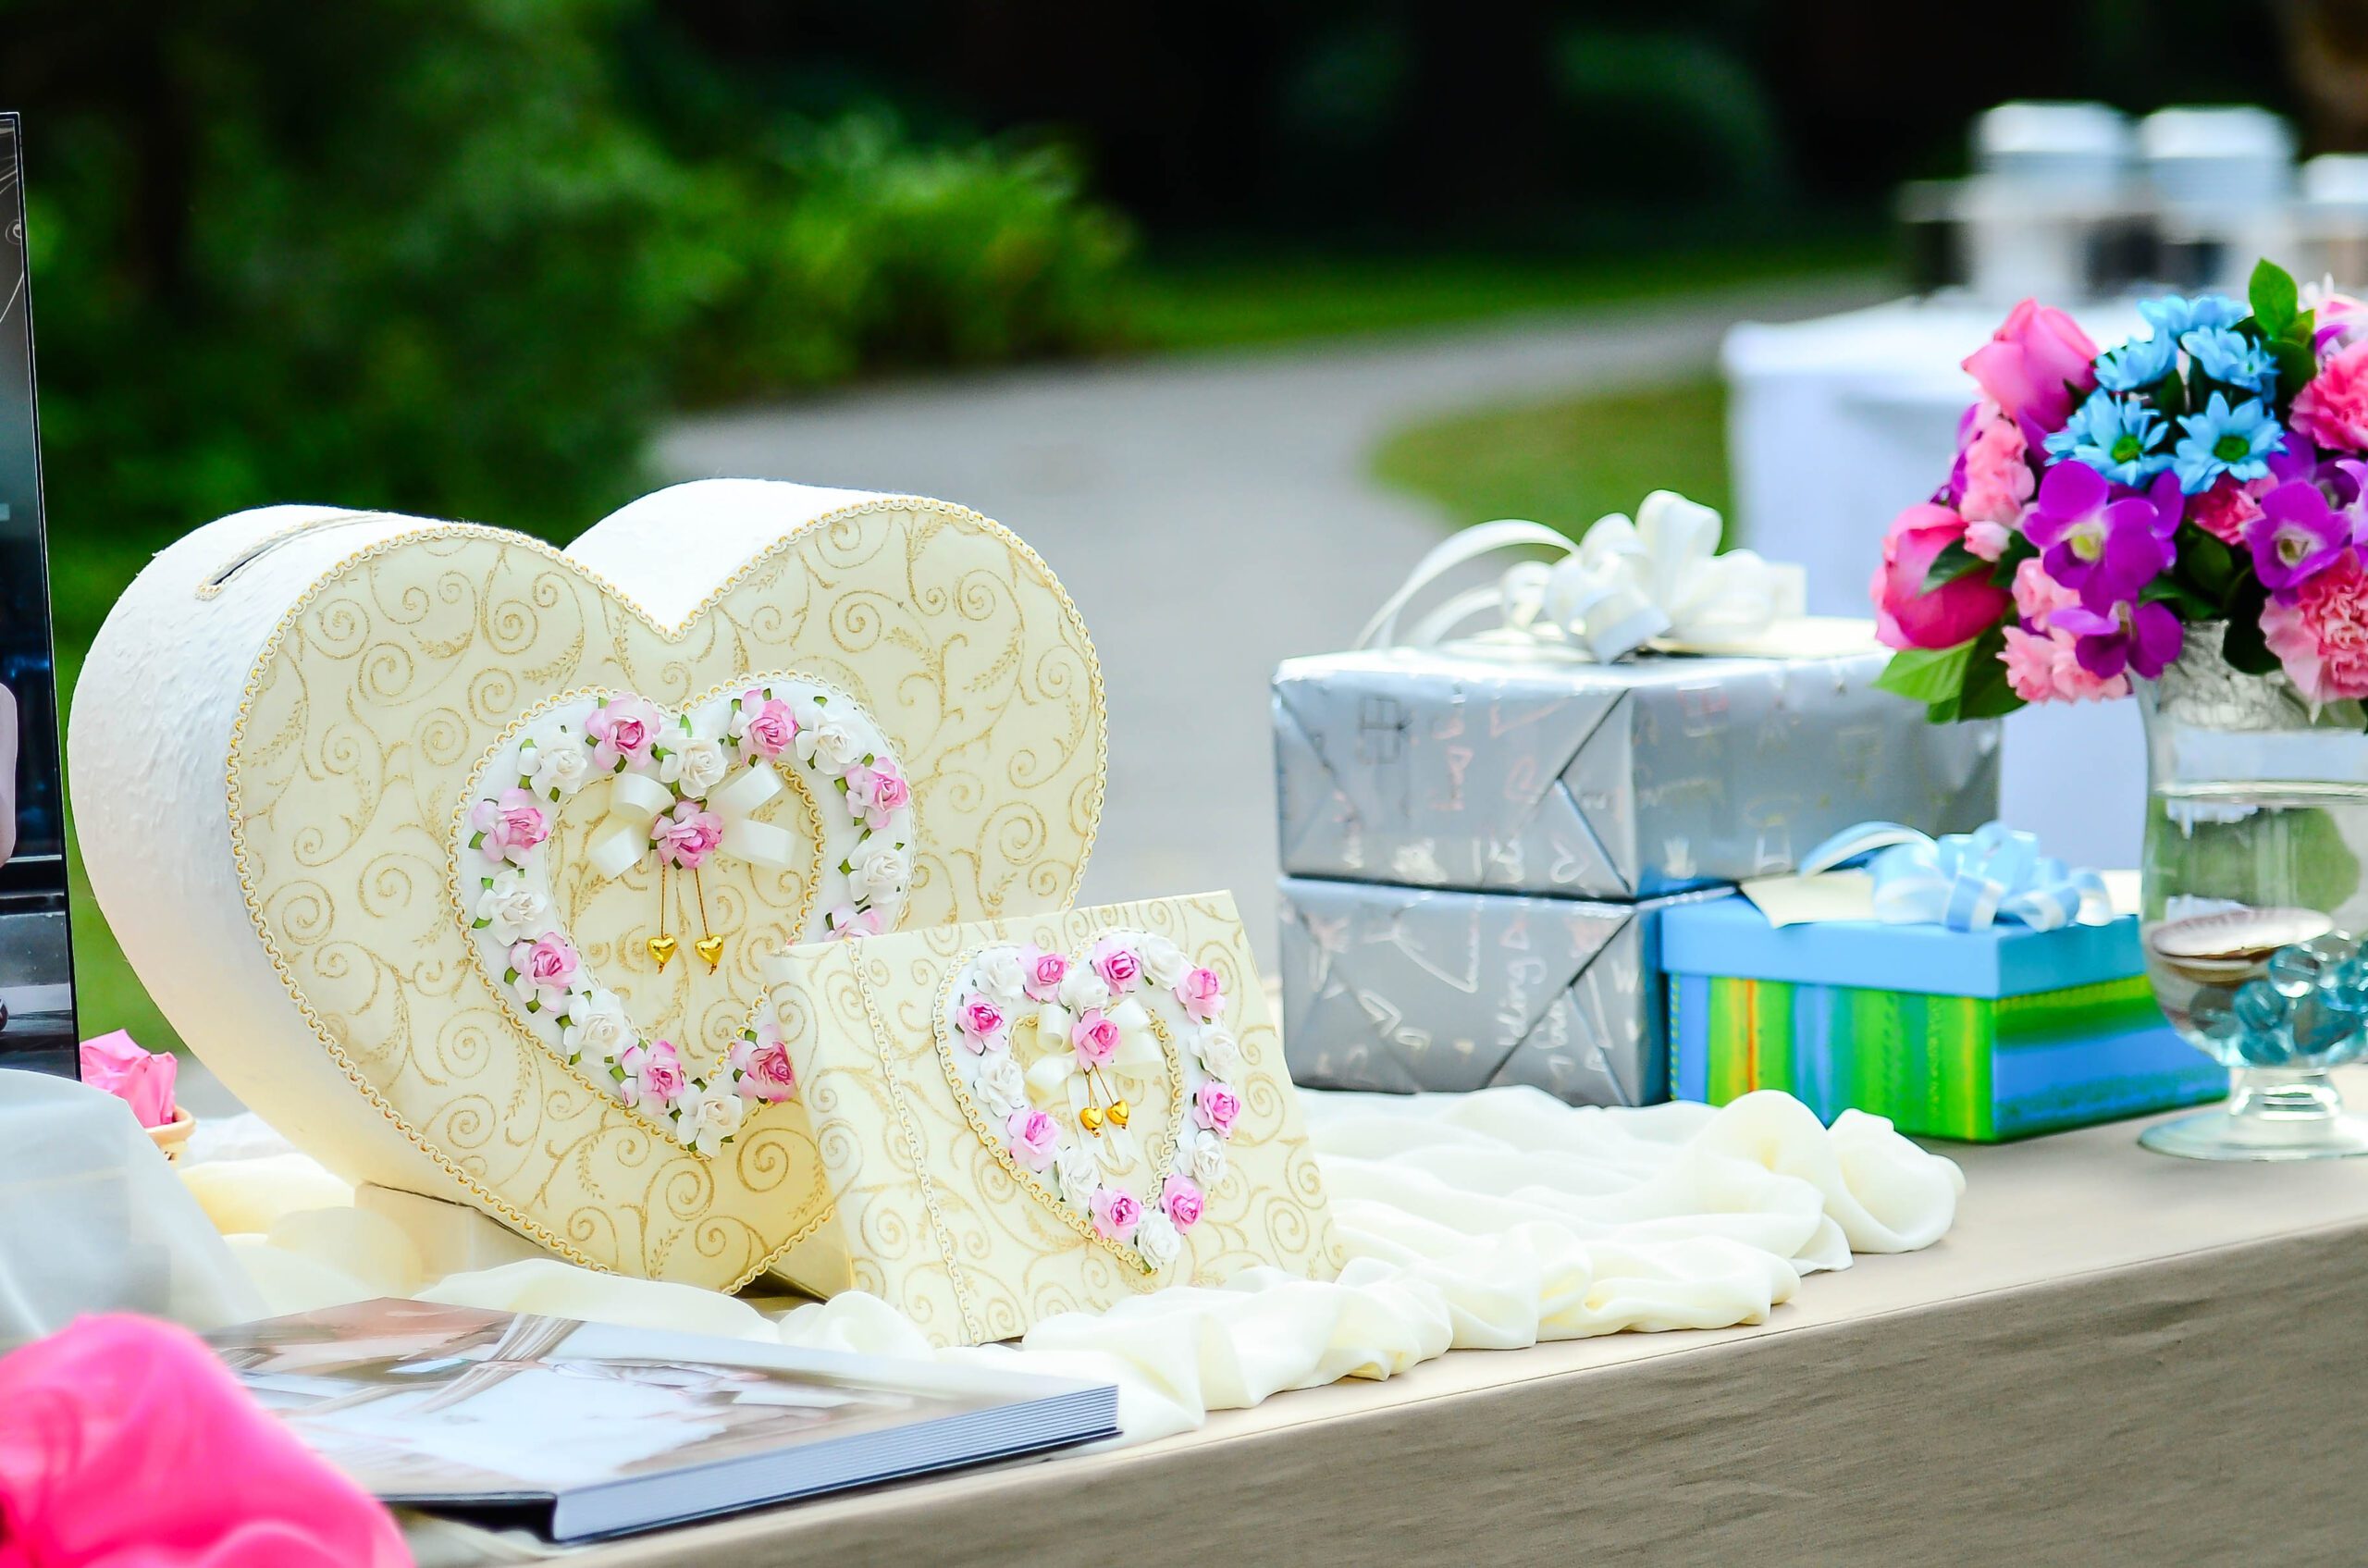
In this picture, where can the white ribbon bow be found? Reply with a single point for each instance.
(1059, 1077)
(636, 801)
(1619, 587)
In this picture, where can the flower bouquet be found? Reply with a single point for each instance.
(2213, 471)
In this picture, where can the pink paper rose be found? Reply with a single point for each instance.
(544, 966)
(846, 921)
(764, 1069)
(2036, 364)
(125, 1443)
(1182, 1199)
(654, 1077)
(1215, 1107)
(623, 729)
(141, 1079)
(767, 724)
(1034, 1138)
(2322, 635)
(687, 836)
(2332, 407)
(1095, 1038)
(1043, 973)
(1905, 616)
(1116, 1213)
(1203, 994)
(1117, 964)
(980, 1022)
(876, 791)
(513, 825)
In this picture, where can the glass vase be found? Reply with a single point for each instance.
(2255, 902)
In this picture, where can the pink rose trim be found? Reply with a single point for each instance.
(767, 724)
(1095, 1038)
(846, 922)
(1216, 1107)
(2332, 408)
(764, 1067)
(1034, 1138)
(1116, 1213)
(877, 791)
(623, 729)
(1203, 994)
(1043, 972)
(980, 1022)
(1117, 964)
(1182, 1199)
(1998, 482)
(654, 1077)
(687, 835)
(545, 966)
(513, 825)
(2322, 636)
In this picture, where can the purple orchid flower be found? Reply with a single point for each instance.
(2106, 548)
(2126, 636)
(2299, 535)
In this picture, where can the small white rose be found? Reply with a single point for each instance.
(1082, 989)
(1164, 961)
(1080, 1178)
(696, 765)
(561, 768)
(517, 910)
(1221, 1054)
(832, 743)
(881, 875)
(1001, 972)
(707, 1121)
(1002, 1084)
(1156, 1238)
(1207, 1161)
(597, 1026)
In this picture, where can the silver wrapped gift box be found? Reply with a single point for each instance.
(1402, 989)
(1525, 769)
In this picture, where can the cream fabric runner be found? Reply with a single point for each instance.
(1490, 1221)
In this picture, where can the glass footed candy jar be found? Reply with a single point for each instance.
(2255, 902)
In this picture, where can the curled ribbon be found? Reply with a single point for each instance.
(1059, 1077)
(1965, 881)
(636, 801)
(1619, 587)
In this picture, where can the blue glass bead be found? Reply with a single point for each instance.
(2320, 1029)
(2260, 1007)
(2264, 1050)
(2212, 1013)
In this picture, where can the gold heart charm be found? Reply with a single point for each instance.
(1120, 1111)
(1091, 1116)
(707, 947)
(662, 948)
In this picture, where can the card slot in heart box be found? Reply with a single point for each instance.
(344, 683)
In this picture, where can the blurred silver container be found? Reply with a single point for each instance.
(2223, 185)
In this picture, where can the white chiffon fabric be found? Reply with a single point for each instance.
(1483, 1221)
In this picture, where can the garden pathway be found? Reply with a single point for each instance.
(1212, 515)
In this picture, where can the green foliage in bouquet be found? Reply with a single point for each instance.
(2206, 473)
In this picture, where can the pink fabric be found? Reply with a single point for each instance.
(125, 1444)
(141, 1079)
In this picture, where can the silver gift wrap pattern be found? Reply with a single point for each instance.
(1401, 989)
(1509, 769)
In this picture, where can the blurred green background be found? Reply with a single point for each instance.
(463, 257)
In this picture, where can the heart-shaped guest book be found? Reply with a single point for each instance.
(1051, 1113)
(455, 856)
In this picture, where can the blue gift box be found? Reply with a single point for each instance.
(1979, 1035)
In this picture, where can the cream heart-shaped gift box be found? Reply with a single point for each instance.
(455, 856)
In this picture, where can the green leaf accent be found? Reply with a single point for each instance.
(2244, 646)
(2206, 561)
(2170, 396)
(1954, 561)
(476, 841)
(1987, 694)
(510, 977)
(2295, 365)
(2275, 301)
(842, 783)
(1928, 674)
(479, 925)
(821, 701)
(2185, 602)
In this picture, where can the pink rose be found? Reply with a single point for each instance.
(1043, 973)
(764, 1069)
(141, 1079)
(2322, 635)
(978, 1021)
(687, 836)
(876, 791)
(2225, 510)
(846, 921)
(1182, 1199)
(623, 729)
(1907, 616)
(1094, 1038)
(1215, 1106)
(544, 966)
(1998, 480)
(2036, 364)
(1116, 1213)
(126, 1442)
(1117, 964)
(654, 1077)
(1203, 994)
(767, 724)
(511, 825)
(1034, 1138)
